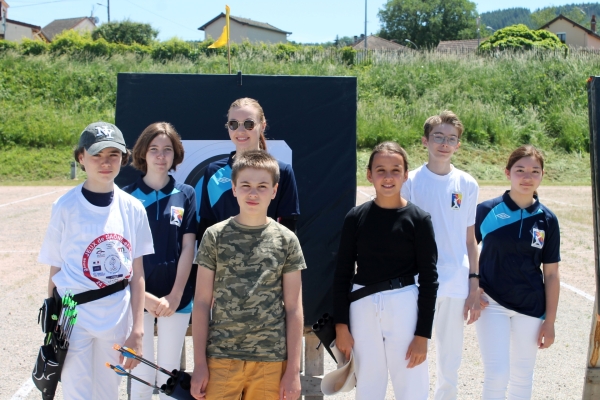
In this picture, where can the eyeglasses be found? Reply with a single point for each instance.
(233, 124)
(441, 139)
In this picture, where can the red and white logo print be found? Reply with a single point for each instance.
(107, 260)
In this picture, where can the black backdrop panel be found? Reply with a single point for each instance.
(594, 119)
(315, 116)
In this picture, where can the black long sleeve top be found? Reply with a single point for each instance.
(387, 244)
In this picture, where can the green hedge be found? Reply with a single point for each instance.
(520, 37)
(74, 44)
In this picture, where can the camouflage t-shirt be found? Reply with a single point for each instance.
(248, 318)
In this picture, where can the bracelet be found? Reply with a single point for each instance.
(474, 276)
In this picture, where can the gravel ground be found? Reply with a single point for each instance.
(559, 372)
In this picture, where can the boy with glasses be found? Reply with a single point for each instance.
(450, 196)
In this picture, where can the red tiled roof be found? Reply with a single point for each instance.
(459, 44)
(377, 43)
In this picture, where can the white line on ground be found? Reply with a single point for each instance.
(579, 292)
(19, 251)
(31, 198)
(24, 390)
(368, 196)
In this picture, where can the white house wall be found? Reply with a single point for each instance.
(576, 37)
(85, 26)
(240, 32)
(16, 33)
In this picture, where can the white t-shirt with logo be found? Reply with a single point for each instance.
(94, 247)
(452, 202)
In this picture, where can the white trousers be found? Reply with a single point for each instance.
(171, 334)
(508, 342)
(85, 375)
(449, 328)
(383, 326)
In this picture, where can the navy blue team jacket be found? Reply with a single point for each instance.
(515, 243)
(171, 213)
(217, 201)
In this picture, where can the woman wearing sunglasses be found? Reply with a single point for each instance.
(246, 125)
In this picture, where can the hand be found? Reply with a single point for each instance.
(134, 342)
(546, 336)
(417, 351)
(290, 388)
(472, 308)
(199, 381)
(483, 300)
(150, 304)
(167, 305)
(343, 339)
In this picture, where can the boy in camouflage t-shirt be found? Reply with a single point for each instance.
(251, 266)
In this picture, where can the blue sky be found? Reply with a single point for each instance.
(308, 20)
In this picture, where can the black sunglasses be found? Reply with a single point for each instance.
(233, 124)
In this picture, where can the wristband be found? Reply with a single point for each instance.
(474, 276)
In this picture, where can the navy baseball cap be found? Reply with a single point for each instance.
(100, 135)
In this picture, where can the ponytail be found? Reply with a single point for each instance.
(262, 142)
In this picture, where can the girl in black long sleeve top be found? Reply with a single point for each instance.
(387, 238)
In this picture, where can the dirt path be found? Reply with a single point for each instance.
(559, 370)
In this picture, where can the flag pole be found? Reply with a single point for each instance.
(228, 42)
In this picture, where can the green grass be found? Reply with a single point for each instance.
(24, 165)
(27, 166)
(503, 101)
(487, 165)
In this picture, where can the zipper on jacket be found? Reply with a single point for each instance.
(157, 205)
(521, 228)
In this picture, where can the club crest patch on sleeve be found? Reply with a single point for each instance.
(176, 215)
(537, 239)
(456, 201)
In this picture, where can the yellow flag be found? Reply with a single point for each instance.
(224, 38)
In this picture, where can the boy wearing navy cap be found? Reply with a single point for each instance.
(95, 241)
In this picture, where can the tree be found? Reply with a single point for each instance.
(126, 32)
(520, 37)
(426, 22)
(542, 16)
(511, 16)
(345, 41)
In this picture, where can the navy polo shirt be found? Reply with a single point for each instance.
(171, 214)
(218, 203)
(515, 242)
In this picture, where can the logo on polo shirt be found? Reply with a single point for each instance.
(224, 180)
(456, 201)
(176, 215)
(537, 239)
(503, 216)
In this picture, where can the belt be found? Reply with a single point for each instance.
(390, 284)
(92, 295)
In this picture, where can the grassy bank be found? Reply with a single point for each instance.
(487, 165)
(25, 166)
(503, 101)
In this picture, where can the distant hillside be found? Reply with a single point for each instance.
(580, 13)
(503, 18)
